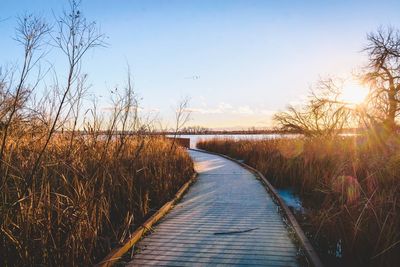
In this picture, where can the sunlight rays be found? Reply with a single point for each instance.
(354, 93)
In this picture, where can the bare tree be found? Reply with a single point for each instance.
(76, 104)
(324, 113)
(128, 104)
(31, 32)
(92, 125)
(383, 74)
(75, 36)
(182, 116)
(6, 99)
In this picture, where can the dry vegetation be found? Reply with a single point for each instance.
(349, 184)
(73, 182)
(84, 198)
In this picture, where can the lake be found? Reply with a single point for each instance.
(194, 139)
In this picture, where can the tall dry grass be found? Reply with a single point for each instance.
(350, 186)
(85, 197)
(75, 180)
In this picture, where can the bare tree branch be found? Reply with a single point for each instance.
(75, 37)
(31, 32)
(383, 75)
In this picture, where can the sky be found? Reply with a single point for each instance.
(239, 62)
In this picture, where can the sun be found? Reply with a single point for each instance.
(353, 93)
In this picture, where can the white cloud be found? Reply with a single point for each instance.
(221, 108)
(245, 110)
(267, 112)
(228, 109)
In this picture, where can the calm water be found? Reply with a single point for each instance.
(194, 139)
(291, 199)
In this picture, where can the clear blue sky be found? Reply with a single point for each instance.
(253, 57)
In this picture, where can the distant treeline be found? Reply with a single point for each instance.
(220, 132)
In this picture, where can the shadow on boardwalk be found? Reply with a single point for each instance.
(226, 218)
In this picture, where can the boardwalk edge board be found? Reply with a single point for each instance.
(118, 252)
(311, 255)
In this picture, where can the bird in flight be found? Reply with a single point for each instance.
(194, 77)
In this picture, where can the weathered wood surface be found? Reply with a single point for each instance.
(226, 218)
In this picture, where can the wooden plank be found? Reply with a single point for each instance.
(209, 228)
(183, 263)
(258, 222)
(212, 230)
(243, 244)
(219, 254)
(180, 247)
(221, 235)
(217, 260)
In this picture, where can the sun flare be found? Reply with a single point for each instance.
(354, 93)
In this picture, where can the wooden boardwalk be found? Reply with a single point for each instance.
(226, 218)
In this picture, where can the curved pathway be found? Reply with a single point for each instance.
(226, 218)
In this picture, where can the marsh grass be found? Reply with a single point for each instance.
(85, 198)
(349, 185)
